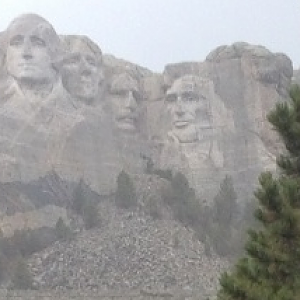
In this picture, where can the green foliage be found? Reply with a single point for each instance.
(125, 193)
(79, 198)
(85, 207)
(22, 278)
(165, 174)
(90, 215)
(223, 217)
(152, 208)
(270, 270)
(212, 225)
(225, 205)
(22, 244)
(3, 266)
(182, 200)
(186, 207)
(62, 231)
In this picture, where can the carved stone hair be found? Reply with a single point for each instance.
(35, 22)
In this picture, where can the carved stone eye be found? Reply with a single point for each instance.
(171, 98)
(37, 41)
(72, 59)
(90, 60)
(16, 40)
(190, 97)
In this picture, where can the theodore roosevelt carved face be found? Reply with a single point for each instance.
(124, 100)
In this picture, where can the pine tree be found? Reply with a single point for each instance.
(270, 269)
(125, 193)
(225, 204)
(62, 231)
(22, 278)
(90, 215)
(224, 214)
(79, 198)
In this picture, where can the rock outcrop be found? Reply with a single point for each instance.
(67, 107)
(70, 111)
(130, 251)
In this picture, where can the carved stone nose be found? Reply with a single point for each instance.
(130, 100)
(27, 53)
(86, 72)
(179, 107)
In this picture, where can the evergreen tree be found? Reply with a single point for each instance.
(90, 215)
(22, 278)
(125, 193)
(62, 231)
(270, 269)
(3, 266)
(224, 214)
(185, 204)
(79, 198)
(225, 204)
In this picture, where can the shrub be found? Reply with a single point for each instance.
(90, 216)
(125, 193)
(22, 278)
(62, 231)
(79, 198)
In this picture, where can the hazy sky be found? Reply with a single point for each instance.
(153, 33)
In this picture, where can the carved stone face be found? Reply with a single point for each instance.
(124, 98)
(29, 55)
(188, 107)
(81, 72)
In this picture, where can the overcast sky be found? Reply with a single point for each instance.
(153, 33)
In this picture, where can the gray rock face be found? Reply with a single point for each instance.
(67, 107)
(192, 141)
(250, 80)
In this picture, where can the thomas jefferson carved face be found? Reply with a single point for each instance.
(188, 104)
(31, 44)
(81, 69)
(124, 101)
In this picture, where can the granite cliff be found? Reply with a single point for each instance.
(68, 112)
(68, 108)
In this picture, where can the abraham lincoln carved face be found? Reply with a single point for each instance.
(188, 105)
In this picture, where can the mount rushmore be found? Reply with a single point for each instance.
(69, 108)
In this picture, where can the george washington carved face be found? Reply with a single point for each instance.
(31, 46)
